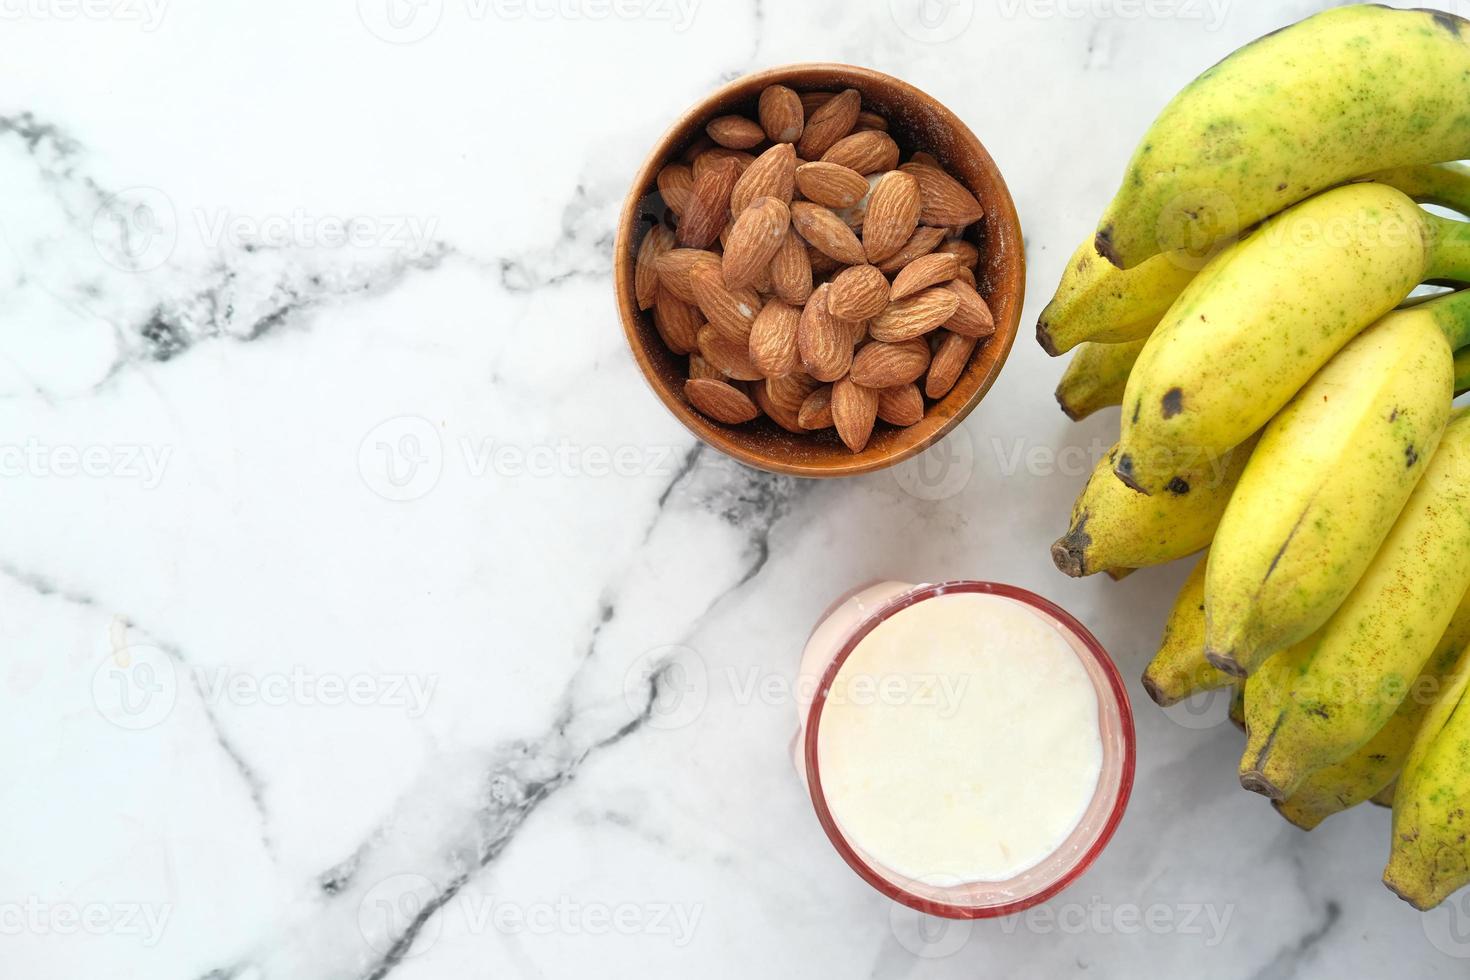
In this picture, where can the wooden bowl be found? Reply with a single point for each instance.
(916, 122)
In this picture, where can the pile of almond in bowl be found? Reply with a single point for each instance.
(808, 274)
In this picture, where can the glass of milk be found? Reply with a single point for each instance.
(968, 746)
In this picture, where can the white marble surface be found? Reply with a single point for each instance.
(262, 720)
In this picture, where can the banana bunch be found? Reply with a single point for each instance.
(1251, 301)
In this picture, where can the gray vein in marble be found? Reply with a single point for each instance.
(1286, 962)
(254, 786)
(520, 775)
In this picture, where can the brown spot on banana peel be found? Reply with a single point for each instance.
(1105, 247)
(1455, 25)
(1252, 778)
(1069, 553)
(1172, 403)
(1123, 470)
(1224, 661)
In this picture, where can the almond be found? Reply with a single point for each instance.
(828, 123)
(823, 341)
(791, 270)
(656, 241)
(735, 132)
(946, 202)
(731, 312)
(709, 205)
(677, 322)
(776, 413)
(927, 159)
(921, 242)
(867, 153)
(773, 339)
(901, 405)
(858, 292)
(755, 238)
(812, 101)
(830, 184)
(968, 254)
(693, 150)
(822, 263)
(893, 214)
(871, 120)
(914, 316)
(675, 182)
(857, 214)
(967, 277)
(789, 392)
(881, 365)
(826, 232)
(950, 357)
(781, 114)
(972, 317)
(772, 175)
(727, 357)
(700, 368)
(925, 271)
(854, 409)
(720, 401)
(717, 155)
(816, 411)
(677, 265)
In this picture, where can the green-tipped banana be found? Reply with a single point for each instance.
(1114, 527)
(1341, 94)
(1369, 771)
(1180, 669)
(1429, 857)
(1100, 303)
(1095, 377)
(1320, 701)
(1267, 313)
(1462, 371)
(1327, 480)
(1096, 301)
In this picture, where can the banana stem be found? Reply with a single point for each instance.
(1449, 249)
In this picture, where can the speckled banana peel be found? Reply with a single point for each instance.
(1095, 377)
(1429, 857)
(1179, 669)
(1267, 313)
(1096, 302)
(1113, 527)
(1329, 476)
(1372, 769)
(1318, 702)
(1275, 122)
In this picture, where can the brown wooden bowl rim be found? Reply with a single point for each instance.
(1005, 225)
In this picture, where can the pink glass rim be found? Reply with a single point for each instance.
(814, 775)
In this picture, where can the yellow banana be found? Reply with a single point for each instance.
(1339, 95)
(1267, 313)
(1114, 527)
(1429, 857)
(1384, 797)
(1317, 703)
(1100, 303)
(1370, 770)
(1462, 371)
(1095, 377)
(1180, 669)
(1237, 705)
(1329, 476)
